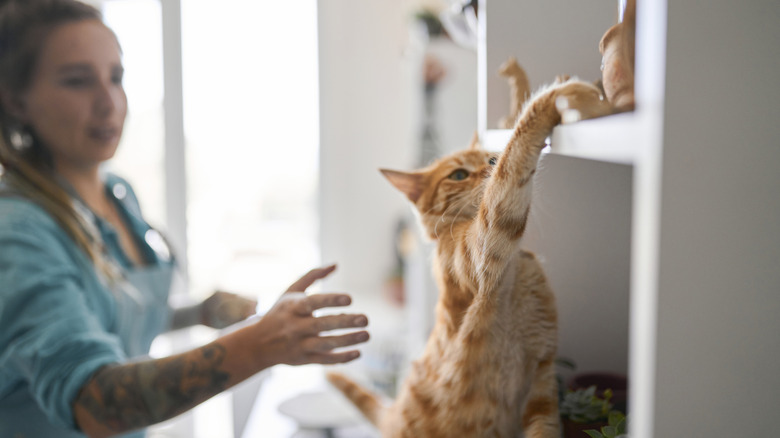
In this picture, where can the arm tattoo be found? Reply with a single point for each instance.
(135, 395)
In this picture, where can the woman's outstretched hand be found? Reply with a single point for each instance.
(122, 397)
(291, 334)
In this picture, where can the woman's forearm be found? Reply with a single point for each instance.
(124, 397)
(135, 395)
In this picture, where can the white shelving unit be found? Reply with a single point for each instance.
(699, 159)
(584, 193)
(586, 139)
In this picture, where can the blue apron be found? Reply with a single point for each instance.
(142, 307)
(141, 313)
(142, 293)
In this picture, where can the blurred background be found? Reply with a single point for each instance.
(256, 129)
(254, 138)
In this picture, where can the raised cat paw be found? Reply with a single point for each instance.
(577, 100)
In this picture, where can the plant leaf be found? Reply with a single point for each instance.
(593, 433)
(621, 426)
(615, 417)
(609, 431)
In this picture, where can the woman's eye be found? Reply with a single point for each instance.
(117, 75)
(76, 81)
(459, 175)
(492, 161)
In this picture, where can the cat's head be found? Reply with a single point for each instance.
(450, 189)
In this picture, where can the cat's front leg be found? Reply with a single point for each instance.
(540, 417)
(578, 100)
(545, 110)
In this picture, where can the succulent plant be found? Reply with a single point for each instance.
(584, 406)
(616, 428)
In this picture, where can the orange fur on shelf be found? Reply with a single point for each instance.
(617, 50)
(519, 90)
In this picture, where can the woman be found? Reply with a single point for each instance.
(84, 278)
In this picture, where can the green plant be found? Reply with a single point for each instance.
(584, 406)
(616, 427)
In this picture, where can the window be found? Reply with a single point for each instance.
(251, 124)
(250, 88)
(140, 156)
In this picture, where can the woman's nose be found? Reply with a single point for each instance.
(109, 99)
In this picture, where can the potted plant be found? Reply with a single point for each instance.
(617, 384)
(616, 427)
(583, 409)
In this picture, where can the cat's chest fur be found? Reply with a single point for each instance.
(522, 324)
(489, 381)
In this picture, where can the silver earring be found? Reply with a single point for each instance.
(21, 140)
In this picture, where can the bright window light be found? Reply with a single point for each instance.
(250, 84)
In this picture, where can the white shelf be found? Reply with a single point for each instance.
(613, 138)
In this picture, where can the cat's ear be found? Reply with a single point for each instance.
(475, 141)
(409, 183)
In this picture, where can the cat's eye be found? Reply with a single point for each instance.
(493, 160)
(459, 175)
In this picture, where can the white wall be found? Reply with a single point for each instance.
(456, 99)
(718, 344)
(370, 116)
(365, 123)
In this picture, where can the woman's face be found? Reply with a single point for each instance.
(76, 104)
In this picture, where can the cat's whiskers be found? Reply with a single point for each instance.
(435, 207)
(453, 202)
(457, 216)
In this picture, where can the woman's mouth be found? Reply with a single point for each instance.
(104, 133)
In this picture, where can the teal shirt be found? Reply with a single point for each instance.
(59, 323)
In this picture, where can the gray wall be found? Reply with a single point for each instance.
(718, 338)
(580, 229)
(548, 38)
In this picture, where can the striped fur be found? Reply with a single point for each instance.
(488, 367)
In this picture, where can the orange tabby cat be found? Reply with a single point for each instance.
(488, 367)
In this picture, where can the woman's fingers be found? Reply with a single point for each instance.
(334, 322)
(334, 358)
(324, 344)
(310, 277)
(308, 304)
